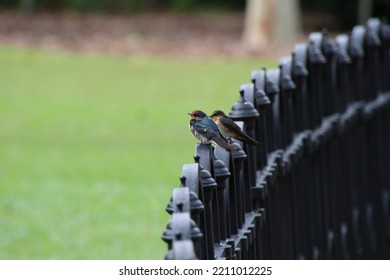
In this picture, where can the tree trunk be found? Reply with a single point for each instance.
(287, 24)
(364, 11)
(270, 21)
(258, 23)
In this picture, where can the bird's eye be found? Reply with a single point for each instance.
(195, 115)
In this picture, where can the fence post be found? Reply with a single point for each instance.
(287, 92)
(221, 174)
(191, 178)
(181, 227)
(178, 230)
(244, 111)
(209, 186)
(299, 76)
(229, 214)
(351, 239)
(384, 35)
(261, 103)
(287, 186)
(357, 54)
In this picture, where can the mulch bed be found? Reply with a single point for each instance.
(188, 35)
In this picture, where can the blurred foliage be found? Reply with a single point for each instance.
(342, 15)
(334, 15)
(126, 5)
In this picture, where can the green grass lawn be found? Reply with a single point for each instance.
(92, 146)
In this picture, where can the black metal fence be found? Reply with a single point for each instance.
(318, 185)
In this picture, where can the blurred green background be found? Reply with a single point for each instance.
(92, 146)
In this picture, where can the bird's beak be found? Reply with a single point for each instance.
(189, 114)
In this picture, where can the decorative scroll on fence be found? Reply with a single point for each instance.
(318, 185)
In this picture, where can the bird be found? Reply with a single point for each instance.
(229, 128)
(206, 131)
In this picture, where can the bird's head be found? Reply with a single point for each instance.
(217, 115)
(197, 115)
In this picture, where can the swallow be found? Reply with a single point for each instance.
(229, 128)
(206, 131)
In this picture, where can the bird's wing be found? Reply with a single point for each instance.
(236, 131)
(231, 125)
(204, 130)
(209, 130)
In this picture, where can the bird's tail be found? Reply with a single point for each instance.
(224, 144)
(246, 138)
